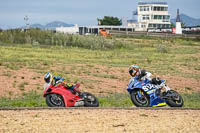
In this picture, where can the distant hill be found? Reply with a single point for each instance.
(189, 21)
(37, 26)
(51, 25)
(55, 24)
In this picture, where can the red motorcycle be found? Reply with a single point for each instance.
(60, 96)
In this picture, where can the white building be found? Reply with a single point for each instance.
(95, 29)
(151, 15)
(68, 30)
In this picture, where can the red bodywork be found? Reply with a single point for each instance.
(68, 97)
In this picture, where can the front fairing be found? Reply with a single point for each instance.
(135, 84)
(46, 88)
(155, 100)
(68, 97)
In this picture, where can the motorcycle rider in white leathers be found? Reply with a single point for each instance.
(141, 75)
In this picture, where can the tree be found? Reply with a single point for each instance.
(183, 24)
(173, 25)
(109, 20)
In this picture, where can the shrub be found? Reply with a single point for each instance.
(162, 49)
(38, 37)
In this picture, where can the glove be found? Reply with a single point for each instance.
(143, 73)
(69, 85)
(156, 81)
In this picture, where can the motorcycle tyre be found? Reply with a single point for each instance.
(135, 102)
(87, 103)
(171, 103)
(50, 104)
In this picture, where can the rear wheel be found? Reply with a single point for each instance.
(55, 100)
(138, 101)
(90, 100)
(175, 100)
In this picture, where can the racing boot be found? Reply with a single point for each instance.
(165, 95)
(77, 92)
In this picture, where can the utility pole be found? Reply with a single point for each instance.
(26, 20)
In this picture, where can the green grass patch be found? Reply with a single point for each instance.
(157, 56)
(34, 99)
(123, 100)
(22, 85)
(30, 99)
(192, 100)
(115, 100)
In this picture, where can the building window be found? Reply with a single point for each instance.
(129, 29)
(145, 17)
(155, 17)
(159, 26)
(157, 8)
(144, 8)
(150, 26)
(168, 26)
(143, 26)
(166, 17)
(162, 17)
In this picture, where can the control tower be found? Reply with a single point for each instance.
(178, 23)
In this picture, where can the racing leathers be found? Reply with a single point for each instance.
(146, 76)
(59, 80)
(142, 76)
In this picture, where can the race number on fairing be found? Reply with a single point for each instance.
(148, 87)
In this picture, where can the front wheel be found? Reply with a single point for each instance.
(90, 100)
(55, 100)
(175, 100)
(140, 101)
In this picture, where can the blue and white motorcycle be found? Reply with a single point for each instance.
(145, 93)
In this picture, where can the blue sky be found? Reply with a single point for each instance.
(81, 12)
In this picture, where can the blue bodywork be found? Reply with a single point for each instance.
(150, 90)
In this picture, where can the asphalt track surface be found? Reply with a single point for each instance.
(95, 108)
